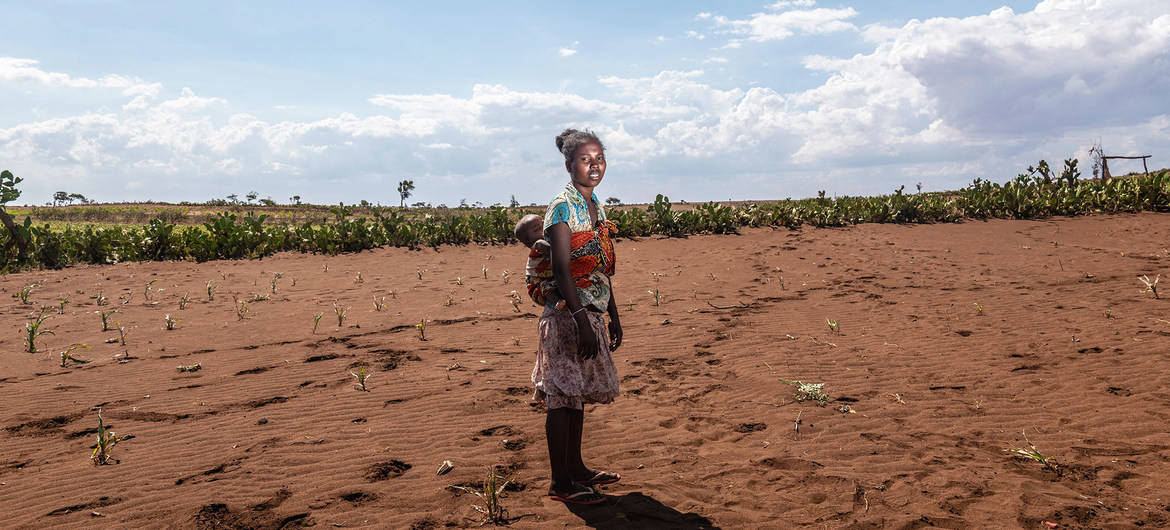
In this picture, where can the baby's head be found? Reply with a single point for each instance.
(529, 229)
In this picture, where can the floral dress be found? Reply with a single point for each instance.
(560, 377)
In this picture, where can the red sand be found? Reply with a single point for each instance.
(272, 433)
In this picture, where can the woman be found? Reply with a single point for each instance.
(573, 363)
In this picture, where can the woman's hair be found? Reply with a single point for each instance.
(571, 139)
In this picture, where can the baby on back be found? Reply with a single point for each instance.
(538, 272)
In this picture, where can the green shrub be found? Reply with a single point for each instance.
(1038, 193)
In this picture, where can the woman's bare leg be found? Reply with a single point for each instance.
(558, 430)
(577, 467)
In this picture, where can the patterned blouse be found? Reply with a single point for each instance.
(569, 207)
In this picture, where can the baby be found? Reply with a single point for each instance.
(537, 273)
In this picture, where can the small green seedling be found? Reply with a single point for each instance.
(484, 272)
(341, 312)
(170, 322)
(833, 326)
(101, 299)
(809, 392)
(186, 299)
(515, 299)
(657, 296)
(489, 494)
(106, 318)
(148, 291)
(24, 293)
(422, 329)
(449, 301)
(1109, 314)
(507, 276)
(61, 307)
(359, 279)
(1033, 453)
(458, 280)
(979, 309)
(121, 332)
(419, 273)
(362, 375)
(1151, 286)
(325, 268)
(67, 355)
(241, 308)
(379, 303)
(211, 287)
(33, 330)
(259, 297)
(316, 321)
(393, 294)
(272, 282)
(106, 440)
(190, 368)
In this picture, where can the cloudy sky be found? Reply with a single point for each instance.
(124, 100)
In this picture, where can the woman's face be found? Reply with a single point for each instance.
(587, 166)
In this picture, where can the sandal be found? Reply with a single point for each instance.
(585, 495)
(602, 478)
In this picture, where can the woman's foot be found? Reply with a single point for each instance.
(598, 478)
(576, 493)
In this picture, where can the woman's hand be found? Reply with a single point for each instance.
(615, 334)
(587, 346)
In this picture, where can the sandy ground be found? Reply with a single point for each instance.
(272, 433)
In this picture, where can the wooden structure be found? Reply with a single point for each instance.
(1105, 163)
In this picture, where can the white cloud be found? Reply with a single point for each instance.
(763, 27)
(16, 70)
(781, 4)
(941, 101)
(571, 50)
(715, 59)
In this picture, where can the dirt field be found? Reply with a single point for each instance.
(272, 433)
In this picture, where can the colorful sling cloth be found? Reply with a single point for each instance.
(591, 256)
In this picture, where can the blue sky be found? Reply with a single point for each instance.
(729, 100)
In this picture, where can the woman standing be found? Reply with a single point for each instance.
(573, 362)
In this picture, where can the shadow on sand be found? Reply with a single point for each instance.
(635, 510)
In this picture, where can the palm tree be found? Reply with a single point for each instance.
(404, 189)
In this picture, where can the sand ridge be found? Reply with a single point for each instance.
(271, 433)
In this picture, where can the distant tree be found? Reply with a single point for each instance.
(420, 204)
(613, 201)
(268, 202)
(235, 199)
(514, 202)
(296, 199)
(404, 189)
(80, 198)
(252, 196)
(60, 197)
(463, 203)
